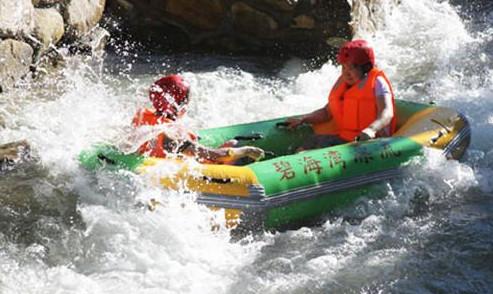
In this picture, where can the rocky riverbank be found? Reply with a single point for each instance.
(302, 28)
(37, 33)
(32, 32)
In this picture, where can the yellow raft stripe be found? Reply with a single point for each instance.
(236, 181)
(411, 122)
(425, 137)
(239, 179)
(232, 216)
(206, 178)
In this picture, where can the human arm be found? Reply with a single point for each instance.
(317, 116)
(385, 111)
(220, 155)
(171, 139)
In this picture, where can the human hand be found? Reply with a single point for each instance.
(365, 135)
(254, 152)
(229, 143)
(293, 123)
(246, 151)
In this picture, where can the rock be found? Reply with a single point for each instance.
(250, 20)
(48, 26)
(364, 14)
(204, 14)
(46, 3)
(12, 153)
(16, 18)
(286, 5)
(336, 42)
(122, 4)
(122, 9)
(299, 28)
(82, 15)
(303, 22)
(15, 59)
(94, 42)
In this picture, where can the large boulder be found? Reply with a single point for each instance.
(94, 42)
(282, 4)
(15, 59)
(82, 15)
(304, 28)
(248, 20)
(29, 36)
(204, 14)
(16, 18)
(12, 153)
(48, 26)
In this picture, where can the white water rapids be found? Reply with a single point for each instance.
(86, 233)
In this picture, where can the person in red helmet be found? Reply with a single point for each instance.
(169, 97)
(361, 102)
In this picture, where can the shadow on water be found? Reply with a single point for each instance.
(457, 256)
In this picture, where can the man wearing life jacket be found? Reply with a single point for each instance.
(361, 102)
(170, 96)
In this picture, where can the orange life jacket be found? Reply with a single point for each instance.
(156, 146)
(354, 108)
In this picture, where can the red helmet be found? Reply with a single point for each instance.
(356, 52)
(169, 95)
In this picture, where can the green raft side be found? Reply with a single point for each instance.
(279, 140)
(302, 211)
(276, 139)
(105, 156)
(342, 163)
(405, 109)
(314, 167)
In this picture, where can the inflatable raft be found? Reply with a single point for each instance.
(288, 188)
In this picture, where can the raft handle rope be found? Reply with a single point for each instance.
(285, 124)
(217, 180)
(440, 134)
(443, 131)
(251, 137)
(447, 129)
(282, 124)
(106, 159)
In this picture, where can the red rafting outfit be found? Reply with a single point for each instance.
(156, 146)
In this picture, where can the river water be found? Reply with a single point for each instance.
(65, 230)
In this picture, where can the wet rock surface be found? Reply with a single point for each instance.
(82, 15)
(16, 18)
(31, 29)
(304, 28)
(49, 26)
(12, 153)
(15, 59)
(45, 3)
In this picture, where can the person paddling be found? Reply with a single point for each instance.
(361, 102)
(170, 96)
